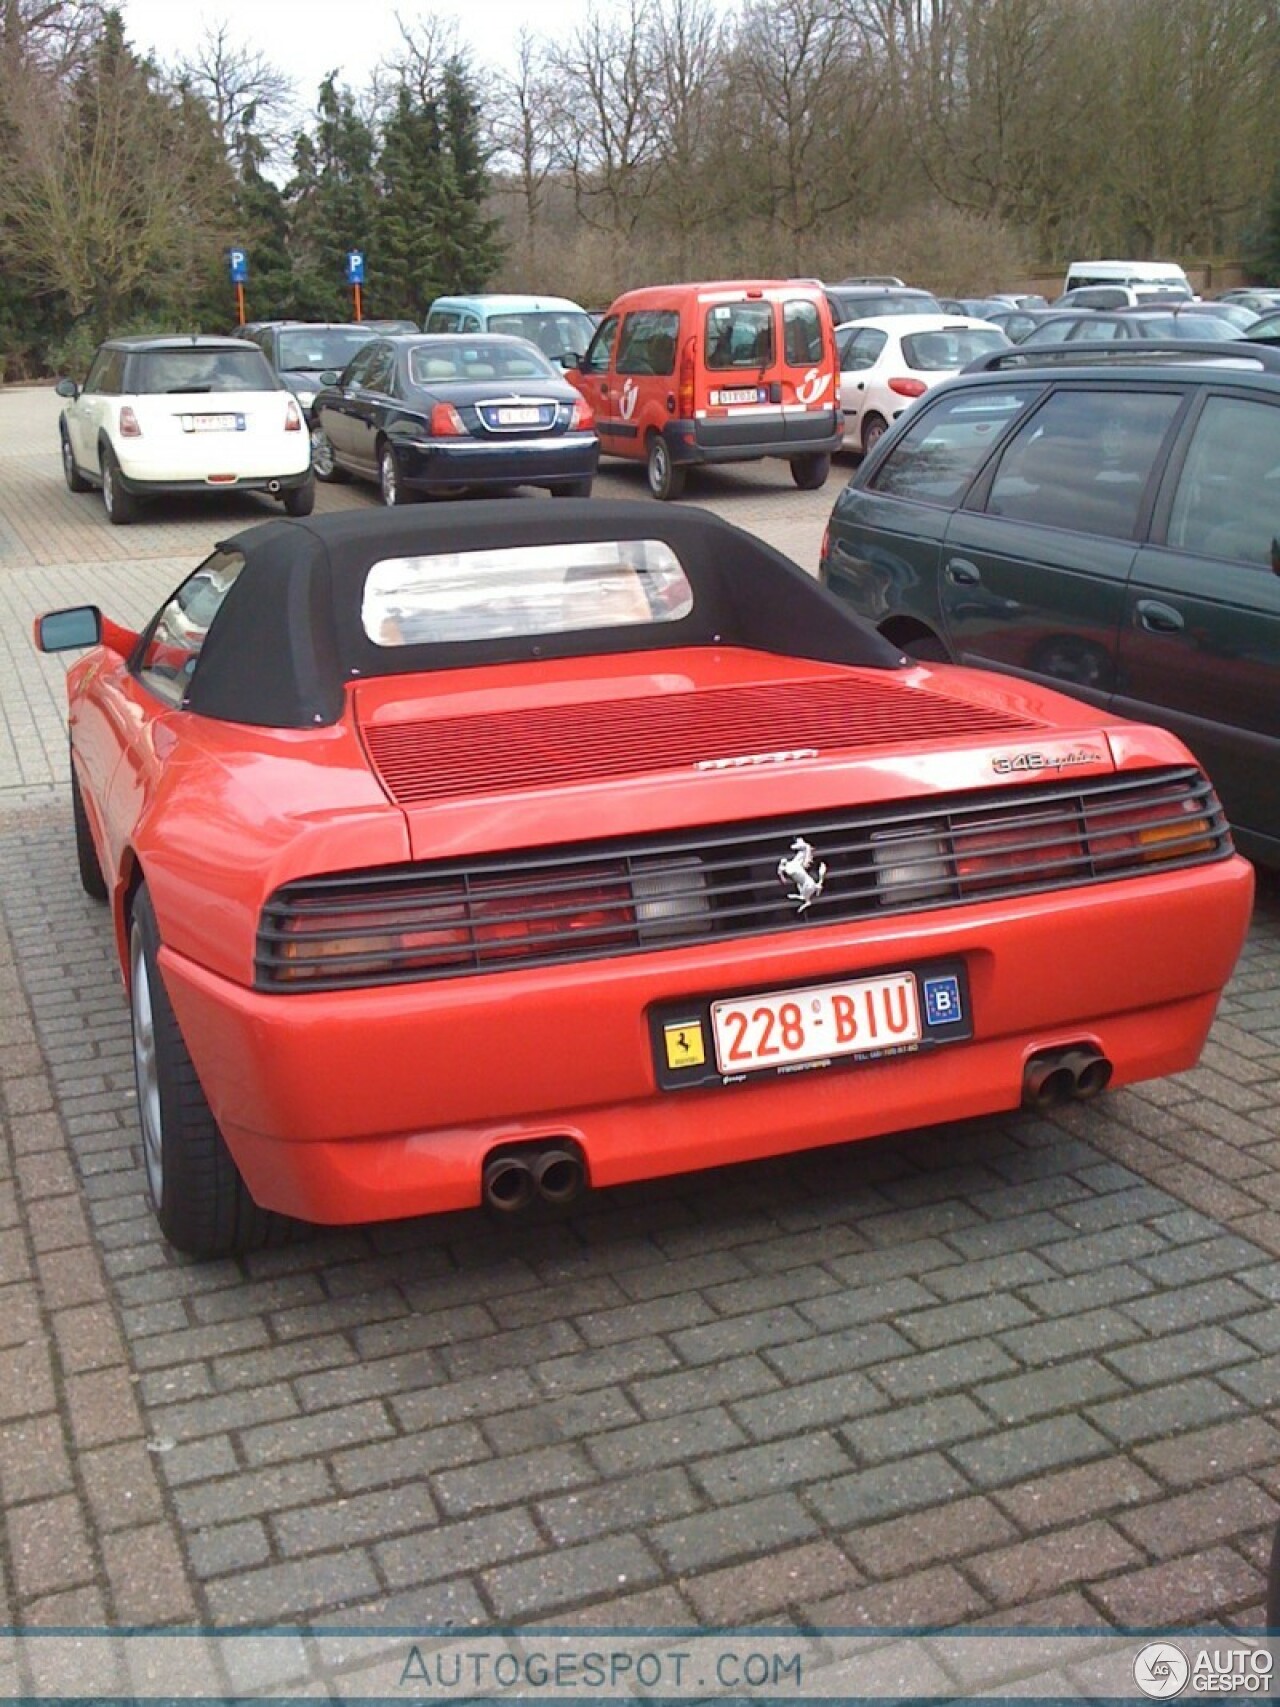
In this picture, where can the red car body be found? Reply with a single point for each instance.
(502, 823)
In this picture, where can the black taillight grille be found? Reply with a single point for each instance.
(447, 919)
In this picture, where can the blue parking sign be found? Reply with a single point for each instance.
(238, 261)
(355, 266)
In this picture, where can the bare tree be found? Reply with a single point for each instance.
(523, 125)
(243, 91)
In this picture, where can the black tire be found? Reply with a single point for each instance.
(666, 478)
(200, 1200)
(391, 488)
(121, 506)
(572, 489)
(300, 500)
(76, 481)
(874, 427)
(810, 472)
(928, 649)
(91, 879)
(323, 465)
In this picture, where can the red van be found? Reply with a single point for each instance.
(727, 372)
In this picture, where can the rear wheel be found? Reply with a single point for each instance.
(389, 483)
(810, 472)
(91, 879)
(201, 1202)
(322, 464)
(874, 427)
(76, 481)
(300, 500)
(121, 506)
(572, 489)
(666, 478)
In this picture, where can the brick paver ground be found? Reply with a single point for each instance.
(1021, 1371)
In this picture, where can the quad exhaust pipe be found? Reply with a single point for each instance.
(1056, 1076)
(515, 1179)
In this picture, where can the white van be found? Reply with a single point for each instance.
(1148, 280)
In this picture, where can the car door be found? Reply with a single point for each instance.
(1035, 566)
(338, 413)
(885, 537)
(368, 407)
(859, 353)
(810, 378)
(593, 378)
(1200, 636)
(86, 415)
(642, 385)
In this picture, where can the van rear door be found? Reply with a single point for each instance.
(738, 399)
(808, 371)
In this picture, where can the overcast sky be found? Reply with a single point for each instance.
(309, 38)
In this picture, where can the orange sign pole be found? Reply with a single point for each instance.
(240, 302)
(356, 291)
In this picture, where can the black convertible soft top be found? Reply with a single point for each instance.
(288, 636)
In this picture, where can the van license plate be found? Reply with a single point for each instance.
(865, 1016)
(740, 394)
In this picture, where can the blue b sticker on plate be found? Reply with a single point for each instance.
(942, 1001)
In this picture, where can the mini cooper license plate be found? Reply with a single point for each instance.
(739, 394)
(867, 1016)
(519, 417)
(214, 423)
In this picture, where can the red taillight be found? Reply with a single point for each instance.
(446, 423)
(908, 387)
(685, 387)
(521, 924)
(292, 419)
(129, 428)
(1161, 830)
(825, 547)
(582, 420)
(990, 855)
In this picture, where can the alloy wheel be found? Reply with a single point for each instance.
(146, 1072)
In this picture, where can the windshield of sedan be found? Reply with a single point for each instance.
(951, 348)
(314, 349)
(455, 357)
(523, 590)
(556, 332)
(158, 372)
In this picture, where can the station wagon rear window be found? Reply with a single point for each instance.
(523, 590)
(159, 372)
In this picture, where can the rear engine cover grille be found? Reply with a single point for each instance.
(429, 920)
(546, 746)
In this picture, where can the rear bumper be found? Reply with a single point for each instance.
(143, 485)
(464, 462)
(384, 1102)
(691, 442)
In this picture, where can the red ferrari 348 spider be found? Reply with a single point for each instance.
(478, 853)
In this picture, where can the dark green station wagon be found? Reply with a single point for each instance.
(1103, 521)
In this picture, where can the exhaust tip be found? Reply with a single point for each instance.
(559, 1175)
(1093, 1079)
(508, 1184)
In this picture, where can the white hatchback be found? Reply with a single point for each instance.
(886, 363)
(190, 414)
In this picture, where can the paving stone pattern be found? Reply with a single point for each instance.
(1021, 1371)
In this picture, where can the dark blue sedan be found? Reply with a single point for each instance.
(441, 414)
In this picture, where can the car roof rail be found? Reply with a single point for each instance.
(1133, 352)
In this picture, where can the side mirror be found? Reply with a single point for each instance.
(68, 630)
(330, 376)
(67, 388)
(571, 359)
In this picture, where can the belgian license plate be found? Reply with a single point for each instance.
(519, 417)
(738, 394)
(867, 1016)
(217, 423)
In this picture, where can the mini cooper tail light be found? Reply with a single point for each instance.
(582, 420)
(446, 423)
(292, 419)
(911, 865)
(671, 897)
(129, 428)
(908, 387)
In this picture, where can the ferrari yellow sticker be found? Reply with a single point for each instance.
(685, 1047)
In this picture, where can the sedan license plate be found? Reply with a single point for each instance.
(867, 1016)
(739, 394)
(213, 423)
(519, 417)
